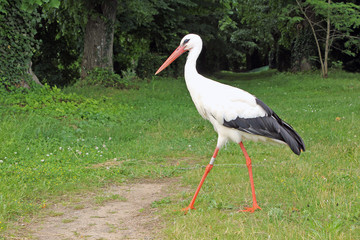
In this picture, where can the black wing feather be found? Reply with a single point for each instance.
(270, 126)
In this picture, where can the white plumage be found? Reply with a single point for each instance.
(235, 114)
(217, 102)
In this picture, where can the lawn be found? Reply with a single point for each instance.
(57, 142)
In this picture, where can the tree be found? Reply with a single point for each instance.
(99, 35)
(258, 32)
(329, 22)
(18, 20)
(147, 31)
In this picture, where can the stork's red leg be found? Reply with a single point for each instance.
(248, 164)
(207, 170)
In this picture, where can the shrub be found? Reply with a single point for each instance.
(107, 78)
(147, 65)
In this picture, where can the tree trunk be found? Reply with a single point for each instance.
(33, 75)
(253, 60)
(327, 43)
(99, 37)
(274, 52)
(34, 78)
(312, 23)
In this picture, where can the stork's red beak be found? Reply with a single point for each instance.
(177, 53)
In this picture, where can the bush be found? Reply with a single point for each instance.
(107, 78)
(147, 65)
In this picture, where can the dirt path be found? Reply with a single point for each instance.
(128, 216)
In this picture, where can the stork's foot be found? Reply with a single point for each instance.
(251, 209)
(185, 210)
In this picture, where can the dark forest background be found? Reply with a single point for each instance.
(60, 42)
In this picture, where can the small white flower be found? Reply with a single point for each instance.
(79, 152)
(115, 159)
(100, 155)
(82, 139)
(15, 152)
(189, 146)
(60, 148)
(28, 148)
(42, 160)
(110, 138)
(87, 153)
(104, 146)
(50, 153)
(47, 155)
(1, 161)
(96, 148)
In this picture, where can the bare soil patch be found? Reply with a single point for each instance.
(128, 216)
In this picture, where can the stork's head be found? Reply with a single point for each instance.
(191, 41)
(188, 43)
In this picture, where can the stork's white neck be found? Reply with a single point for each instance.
(190, 66)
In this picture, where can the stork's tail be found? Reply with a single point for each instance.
(292, 138)
(287, 133)
(270, 126)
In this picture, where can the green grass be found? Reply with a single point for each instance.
(314, 196)
(77, 140)
(257, 74)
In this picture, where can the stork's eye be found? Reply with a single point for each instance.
(186, 41)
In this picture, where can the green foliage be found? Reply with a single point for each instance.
(18, 21)
(71, 16)
(331, 22)
(146, 29)
(255, 27)
(57, 60)
(17, 42)
(50, 33)
(344, 18)
(32, 5)
(128, 48)
(147, 65)
(107, 78)
(303, 49)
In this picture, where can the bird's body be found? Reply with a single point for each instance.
(218, 103)
(233, 111)
(235, 114)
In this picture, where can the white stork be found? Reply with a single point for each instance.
(235, 114)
